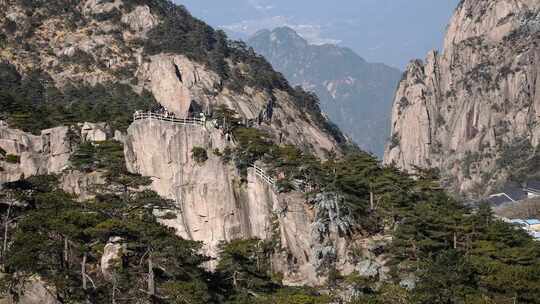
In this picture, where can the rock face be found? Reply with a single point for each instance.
(37, 155)
(83, 185)
(356, 95)
(100, 7)
(95, 132)
(112, 257)
(33, 291)
(140, 19)
(215, 206)
(180, 84)
(175, 81)
(49, 153)
(466, 110)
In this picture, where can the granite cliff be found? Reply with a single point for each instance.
(146, 158)
(472, 111)
(91, 44)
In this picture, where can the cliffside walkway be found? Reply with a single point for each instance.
(297, 185)
(262, 174)
(179, 121)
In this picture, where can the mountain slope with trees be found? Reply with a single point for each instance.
(355, 94)
(200, 226)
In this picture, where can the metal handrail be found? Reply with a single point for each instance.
(155, 116)
(298, 185)
(262, 174)
(201, 122)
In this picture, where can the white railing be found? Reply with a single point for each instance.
(192, 121)
(262, 174)
(297, 185)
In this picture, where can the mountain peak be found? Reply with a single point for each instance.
(280, 36)
(469, 110)
(350, 88)
(286, 31)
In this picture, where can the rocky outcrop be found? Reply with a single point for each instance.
(180, 84)
(48, 153)
(83, 185)
(95, 132)
(32, 290)
(205, 193)
(176, 81)
(140, 19)
(33, 155)
(465, 109)
(100, 7)
(112, 257)
(214, 205)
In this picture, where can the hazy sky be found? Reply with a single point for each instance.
(389, 31)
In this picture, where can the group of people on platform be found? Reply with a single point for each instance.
(203, 117)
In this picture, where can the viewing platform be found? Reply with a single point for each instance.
(191, 121)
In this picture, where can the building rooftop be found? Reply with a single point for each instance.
(533, 222)
(533, 186)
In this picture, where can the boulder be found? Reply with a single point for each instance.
(112, 257)
(368, 268)
(94, 7)
(95, 132)
(47, 153)
(33, 291)
(408, 282)
(140, 19)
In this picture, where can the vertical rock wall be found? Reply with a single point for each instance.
(214, 205)
(38, 155)
(460, 110)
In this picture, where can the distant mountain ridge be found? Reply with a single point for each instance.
(356, 95)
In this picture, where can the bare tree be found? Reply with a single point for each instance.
(151, 278)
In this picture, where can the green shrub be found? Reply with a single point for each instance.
(394, 141)
(227, 155)
(3, 40)
(199, 155)
(107, 156)
(13, 159)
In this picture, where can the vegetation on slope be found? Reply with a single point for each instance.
(178, 32)
(456, 255)
(63, 241)
(29, 104)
